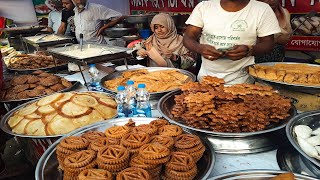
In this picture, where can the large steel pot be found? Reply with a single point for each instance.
(136, 19)
(232, 143)
(47, 167)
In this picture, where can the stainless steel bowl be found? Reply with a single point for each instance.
(233, 143)
(117, 32)
(311, 119)
(154, 96)
(283, 85)
(257, 175)
(136, 19)
(47, 167)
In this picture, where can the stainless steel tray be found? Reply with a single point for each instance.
(6, 128)
(283, 85)
(47, 69)
(23, 29)
(311, 119)
(47, 167)
(74, 85)
(41, 41)
(107, 53)
(291, 160)
(153, 95)
(233, 143)
(256, 175)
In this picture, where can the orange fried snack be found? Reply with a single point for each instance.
(95, 174)
(117, 131)
(284, 176)
(133, 173)
(93, 135)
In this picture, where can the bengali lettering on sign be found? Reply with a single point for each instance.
(306, 24)
(163, 5)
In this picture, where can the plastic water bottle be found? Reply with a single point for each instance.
(131, 93)
(94, 78)
(123, 107)
(143, 108)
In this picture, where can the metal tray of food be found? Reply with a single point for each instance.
(6, 128)
(20, 101)
(47, 167)
(257, 175)
(23, 29)
(283, 85)
(91, 53)
(57, 68)
(232, 143)
(291, 160)
(311, 119)
(154, 96)
(47, 40)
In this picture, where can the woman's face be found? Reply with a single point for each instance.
(160, 30)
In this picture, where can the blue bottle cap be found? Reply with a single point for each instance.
(141, 86)
(91, 65)
(130, 82)
(121, 88)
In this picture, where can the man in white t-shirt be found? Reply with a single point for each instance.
(231, 32)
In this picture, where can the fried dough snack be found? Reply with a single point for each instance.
(155, 157)
(284, 176)
(32, 85)
(288, 73)
(33, 61)
(156, 81)
(62, 113)
(238, 108)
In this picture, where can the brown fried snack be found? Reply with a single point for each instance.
(95, 174)
(153, 151)
(166, 141)
(18, 80)
(135, 140)
(31, 79)
(35, 92)
(159, 123)
(113, 154)
(74, 142)
(185, 141)
(49, 80)
(93, 135)
(57, 87)
(147, 128)
(180, 161)
(133, 173)
(20, 88)
(66, 83)
(79, 159)
(170, 130)
(98, 144)
(48, 91)
(117, 131)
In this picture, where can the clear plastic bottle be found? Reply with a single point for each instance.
(131, 93)
(143, 108)
(123, 107)
(94, 78)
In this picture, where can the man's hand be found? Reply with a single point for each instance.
(237, 52)
(101, 31)
(209, 52)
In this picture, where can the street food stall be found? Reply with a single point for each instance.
(199, 129)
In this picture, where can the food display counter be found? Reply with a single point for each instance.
(264, 151)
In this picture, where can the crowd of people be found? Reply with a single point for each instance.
(225, 46)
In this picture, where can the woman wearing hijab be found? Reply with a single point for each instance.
(164, 47)
(280, 39)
